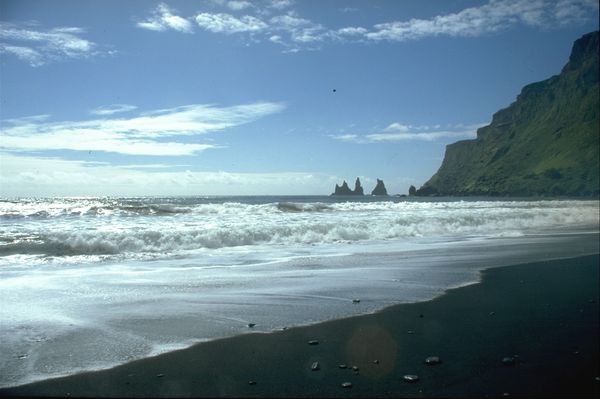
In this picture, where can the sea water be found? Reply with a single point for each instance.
(89, 283)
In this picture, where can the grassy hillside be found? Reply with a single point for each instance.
(545, 143)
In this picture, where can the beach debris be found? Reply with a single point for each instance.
(346, 385)
(250, 325)
(509, 361)
(432, 360)
(356, 301)
(251, 382)
(315, 366)
(160, 375)
(376, 361)
(343, 366)
(313, 342)
(411, 378)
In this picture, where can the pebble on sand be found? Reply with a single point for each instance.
(315, 366)
(346, 385)
(411, 378)
(509, 361)
(432, 360)
(313, 342)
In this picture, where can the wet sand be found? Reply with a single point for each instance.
(543, 316)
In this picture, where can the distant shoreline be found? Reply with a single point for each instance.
(545, 313)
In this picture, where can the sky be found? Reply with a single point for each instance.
(279, 97)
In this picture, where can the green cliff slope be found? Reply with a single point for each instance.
(545, 143)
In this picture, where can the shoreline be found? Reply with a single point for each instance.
(548, 318)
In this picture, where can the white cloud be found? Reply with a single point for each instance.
(22, 175)
(112, 109)
(281, 4)
(401, 132)
(227, 23)
(237, 5)
(38, 47)
(146, 134)
(491, 17)
(295, 33)
(163, 18)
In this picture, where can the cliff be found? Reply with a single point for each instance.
(545, 143)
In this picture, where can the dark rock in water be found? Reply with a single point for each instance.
(412, 190)
(346, 385)
(160, 375)
(411, 378)
(432, 360)
(251, 382)
(315, 366)
(250, 325)
(358, 190)
(356, 301)
(379, 189)
(313, 342)
(345, 190)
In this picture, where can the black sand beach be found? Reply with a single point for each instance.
(542, 317)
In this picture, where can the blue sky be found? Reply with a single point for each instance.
(224, 97)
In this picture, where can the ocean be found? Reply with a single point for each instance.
(90, 283)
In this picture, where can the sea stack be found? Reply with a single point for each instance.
(379, 189)
(345, 190)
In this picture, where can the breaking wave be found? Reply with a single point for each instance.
(110, 227)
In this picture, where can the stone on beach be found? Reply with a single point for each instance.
(346, 385)
(411, 378)
(313, 342)
(509, 361)
(315, 366)
(432, 360)
(343, 366)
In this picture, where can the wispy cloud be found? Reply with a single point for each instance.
(157, 133)
(237, 5)
(112, 109)
(277, 22)
(163, 18)
(491, 17)
(400, 132)
(37, 47)
(228, 24)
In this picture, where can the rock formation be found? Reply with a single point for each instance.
(412, 190)
(545, 143)
(379, 188)
(345, 190)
